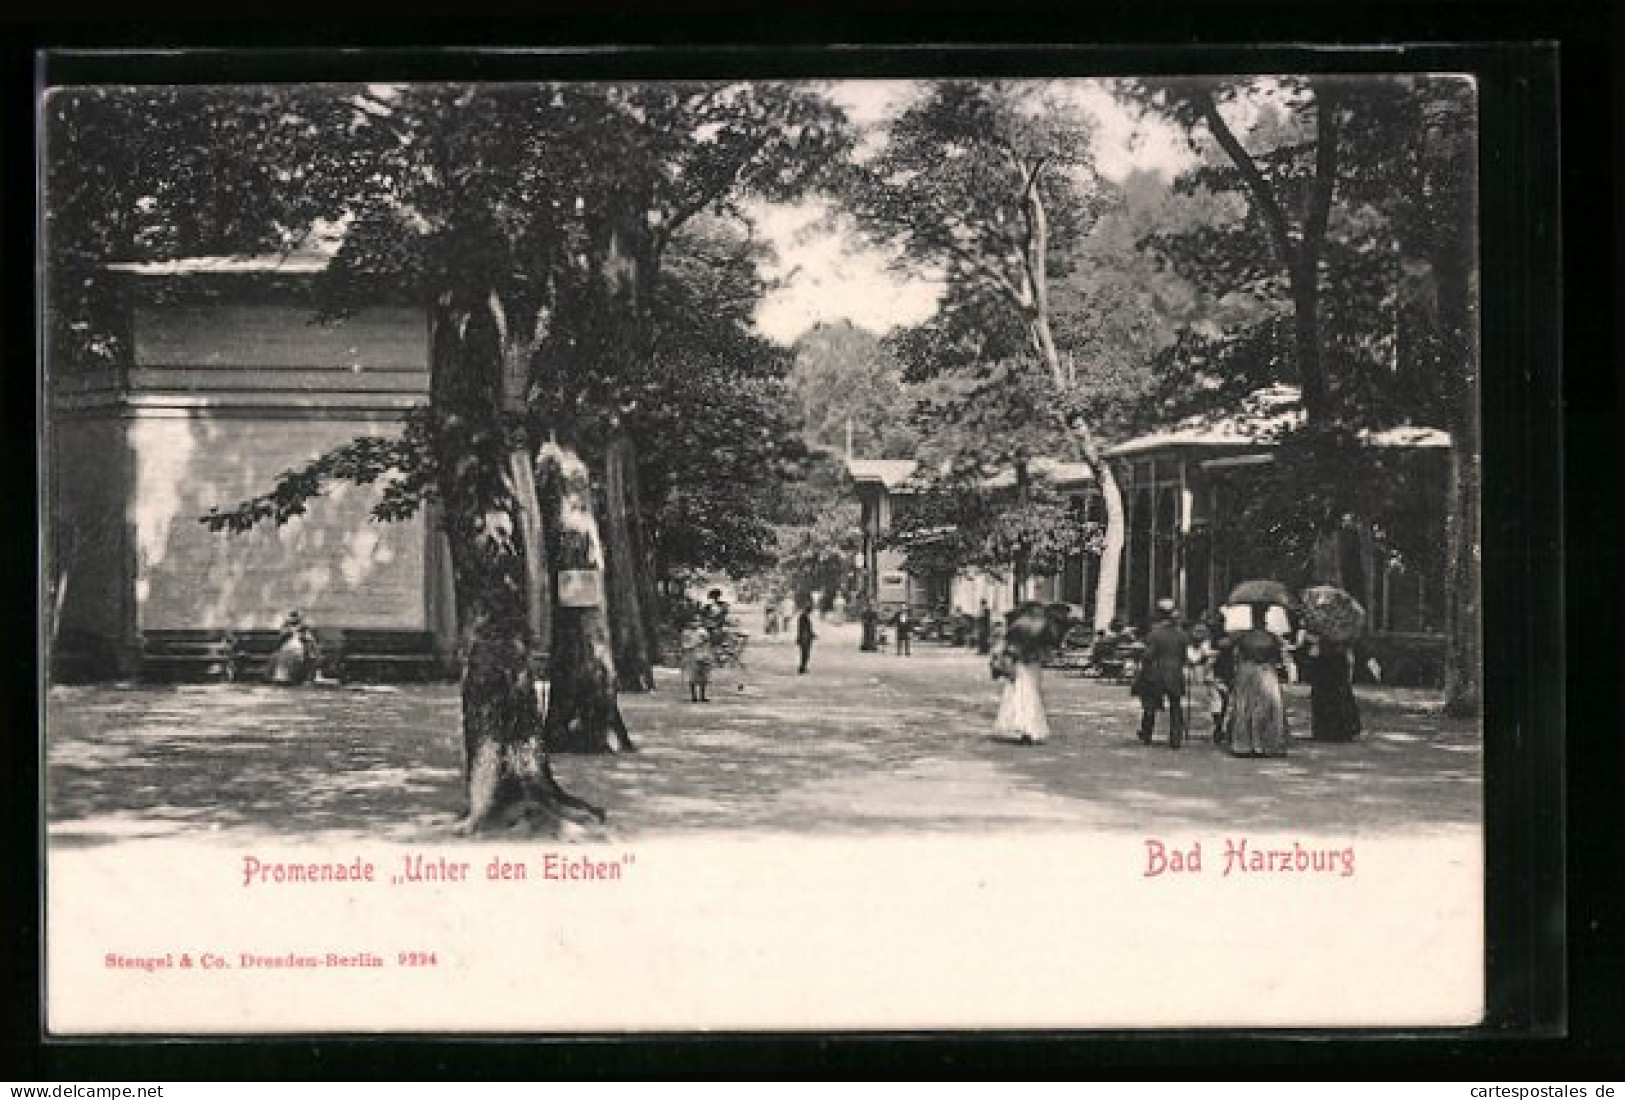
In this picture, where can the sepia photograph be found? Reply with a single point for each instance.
(870, 555)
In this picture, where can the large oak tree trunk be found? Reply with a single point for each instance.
(505, 765)
(642, 553)
(1454, 248)
(629, 595)
(583, 709)
(1463, 687)
(1305, 283)
(1463, 676)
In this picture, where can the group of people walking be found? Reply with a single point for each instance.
(1237, 671)
(1241, 676)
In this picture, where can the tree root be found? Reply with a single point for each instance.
(571, 739)
(554, 814)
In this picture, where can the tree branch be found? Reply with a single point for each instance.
(1326, 138)
(1274, 216)
(687, 211)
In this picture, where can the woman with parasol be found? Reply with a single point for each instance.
(1255, 715)
(1332, 622)
(1018, 659)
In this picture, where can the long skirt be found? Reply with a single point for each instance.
(1334, 714)
(290, 664)
(1202, 693)
(1021, 707)
(1257, 718)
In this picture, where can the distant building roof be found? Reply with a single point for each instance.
(889, 472)
(1057, 471)
(895, 473)
(1407, 435)
(1264, 416)
(275, 263)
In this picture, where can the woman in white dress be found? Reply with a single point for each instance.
(1018, 659)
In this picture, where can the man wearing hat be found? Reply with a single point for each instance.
(1162, 675)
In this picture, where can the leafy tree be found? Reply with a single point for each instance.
(818, 532)
(712, 393)
(720, 403)
(1417, 155)
(982, 499)
(662, 156)
(982, 181)
(1365, 192)
(1124, 308)
(845, 378)
(1289, 184)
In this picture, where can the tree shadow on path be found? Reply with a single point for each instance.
(867, 744)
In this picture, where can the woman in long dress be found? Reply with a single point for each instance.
(1018, 659)
(1334, 714)
(1256, 720)
(295, 658)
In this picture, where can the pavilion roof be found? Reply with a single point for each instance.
(1260, 421)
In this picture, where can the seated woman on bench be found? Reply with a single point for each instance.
(297, 655)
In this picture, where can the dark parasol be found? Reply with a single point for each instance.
(1262, 591)
(1332, 613)
(1033, 629)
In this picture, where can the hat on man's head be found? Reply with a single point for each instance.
(1165, 608)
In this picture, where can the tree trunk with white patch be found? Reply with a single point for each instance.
(1036, 261)
(1111, 551)
(583, 710)
(505, 763)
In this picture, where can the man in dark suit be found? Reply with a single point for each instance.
(804, 635)
(984, 630)
(1162, 675)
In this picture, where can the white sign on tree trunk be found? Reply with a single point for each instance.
(581, 588)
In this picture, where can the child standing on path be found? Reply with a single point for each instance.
(697, 659)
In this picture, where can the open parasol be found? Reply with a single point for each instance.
(1262, 591)
(1032, 630)
(1332, 613)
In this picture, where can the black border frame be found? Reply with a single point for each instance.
(1532, 1016)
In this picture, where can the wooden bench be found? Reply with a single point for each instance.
(383, 655)
(1071, 661)
(169, 656)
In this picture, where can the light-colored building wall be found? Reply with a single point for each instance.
(223, 394)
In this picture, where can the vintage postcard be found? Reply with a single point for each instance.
(621, 556)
